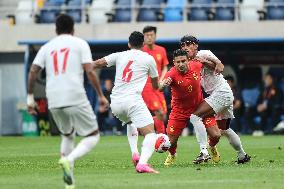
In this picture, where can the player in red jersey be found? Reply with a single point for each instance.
(155, 99)
(184, 80)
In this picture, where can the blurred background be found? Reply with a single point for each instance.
(247, 35)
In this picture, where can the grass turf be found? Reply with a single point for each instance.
(31, 163)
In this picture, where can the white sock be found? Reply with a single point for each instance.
(67, 144)
(148, 147)
(84, 146)
(235, 142)
(132, 135)
(200, 132)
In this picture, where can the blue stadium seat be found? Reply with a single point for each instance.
(122, 15)
(147, 15)
(151, 12)
(200, 10)
(198, 14)
(124, 2)
(275, 1)
(75, 14)
(50, 11)
(48, 16)
(225, 10)
(224, 14)
(275, 13)
(174, 10)
(59, 2)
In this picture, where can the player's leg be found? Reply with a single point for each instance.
(147, 149)
(142, 119)
(214, 135)
(64, 125)
(132, 135)
(233, 139)
(174, 130)
(152, 99)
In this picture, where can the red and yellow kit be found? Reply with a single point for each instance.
(155, 99)
(186, 97)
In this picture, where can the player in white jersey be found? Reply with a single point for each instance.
(219, 102)
(65, 58)
(132, 69)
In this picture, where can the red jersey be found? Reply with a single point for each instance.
(160, 56)
(186, 90)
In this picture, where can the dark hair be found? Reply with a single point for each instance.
(136, 39)
(179, 52)
(64, 24)
(229, 78)
(189, 38)
(149, 29)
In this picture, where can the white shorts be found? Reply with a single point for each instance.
(134, 110)
(81, 118)
(221, 100)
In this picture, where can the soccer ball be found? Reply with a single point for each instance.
(162, 143)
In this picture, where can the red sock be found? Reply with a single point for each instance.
(159, 125)
(173, 150)
(213, 141)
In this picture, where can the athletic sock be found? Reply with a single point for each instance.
(84, 146)
(213, 141)
(235, 142)
(67, 144)
(173, 150)
(132, 135)
(148, 147)
(159, 125)
(200, 131)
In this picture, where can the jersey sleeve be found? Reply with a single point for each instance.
(153, 72)
(111, 59)
(39, 59)
(86, 53)
(165, 58)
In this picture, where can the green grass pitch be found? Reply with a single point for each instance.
(31, 163)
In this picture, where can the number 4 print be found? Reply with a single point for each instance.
(54, 53)
(127, 72)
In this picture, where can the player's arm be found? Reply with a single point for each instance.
(208, 59)
(155, 83)
(100, 63)
(92, 76)
(34, 70)
(164, 71)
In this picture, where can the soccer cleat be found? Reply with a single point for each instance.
(215, 154)
(244, 160)
(135, 159)
(145, 168)
(170, 160)
(201, 158)
(67, 173)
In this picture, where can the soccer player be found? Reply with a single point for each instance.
(219, 102)
(153, 98)
(184, 80)
(65, 58)
(132, 69)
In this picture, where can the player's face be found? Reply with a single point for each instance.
(149, 38)
(180, 63)
(190, 47)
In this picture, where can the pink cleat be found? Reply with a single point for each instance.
(145, 168)
(135, 159)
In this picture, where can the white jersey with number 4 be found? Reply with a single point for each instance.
(132, 70)
(63, 57)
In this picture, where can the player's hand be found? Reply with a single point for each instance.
(104, 104)
(167, 82)
(32, 105)
(219, 68)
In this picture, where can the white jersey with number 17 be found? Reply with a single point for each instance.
(132, 70)
(62, 57)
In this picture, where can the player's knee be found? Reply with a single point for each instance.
(159, 114)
